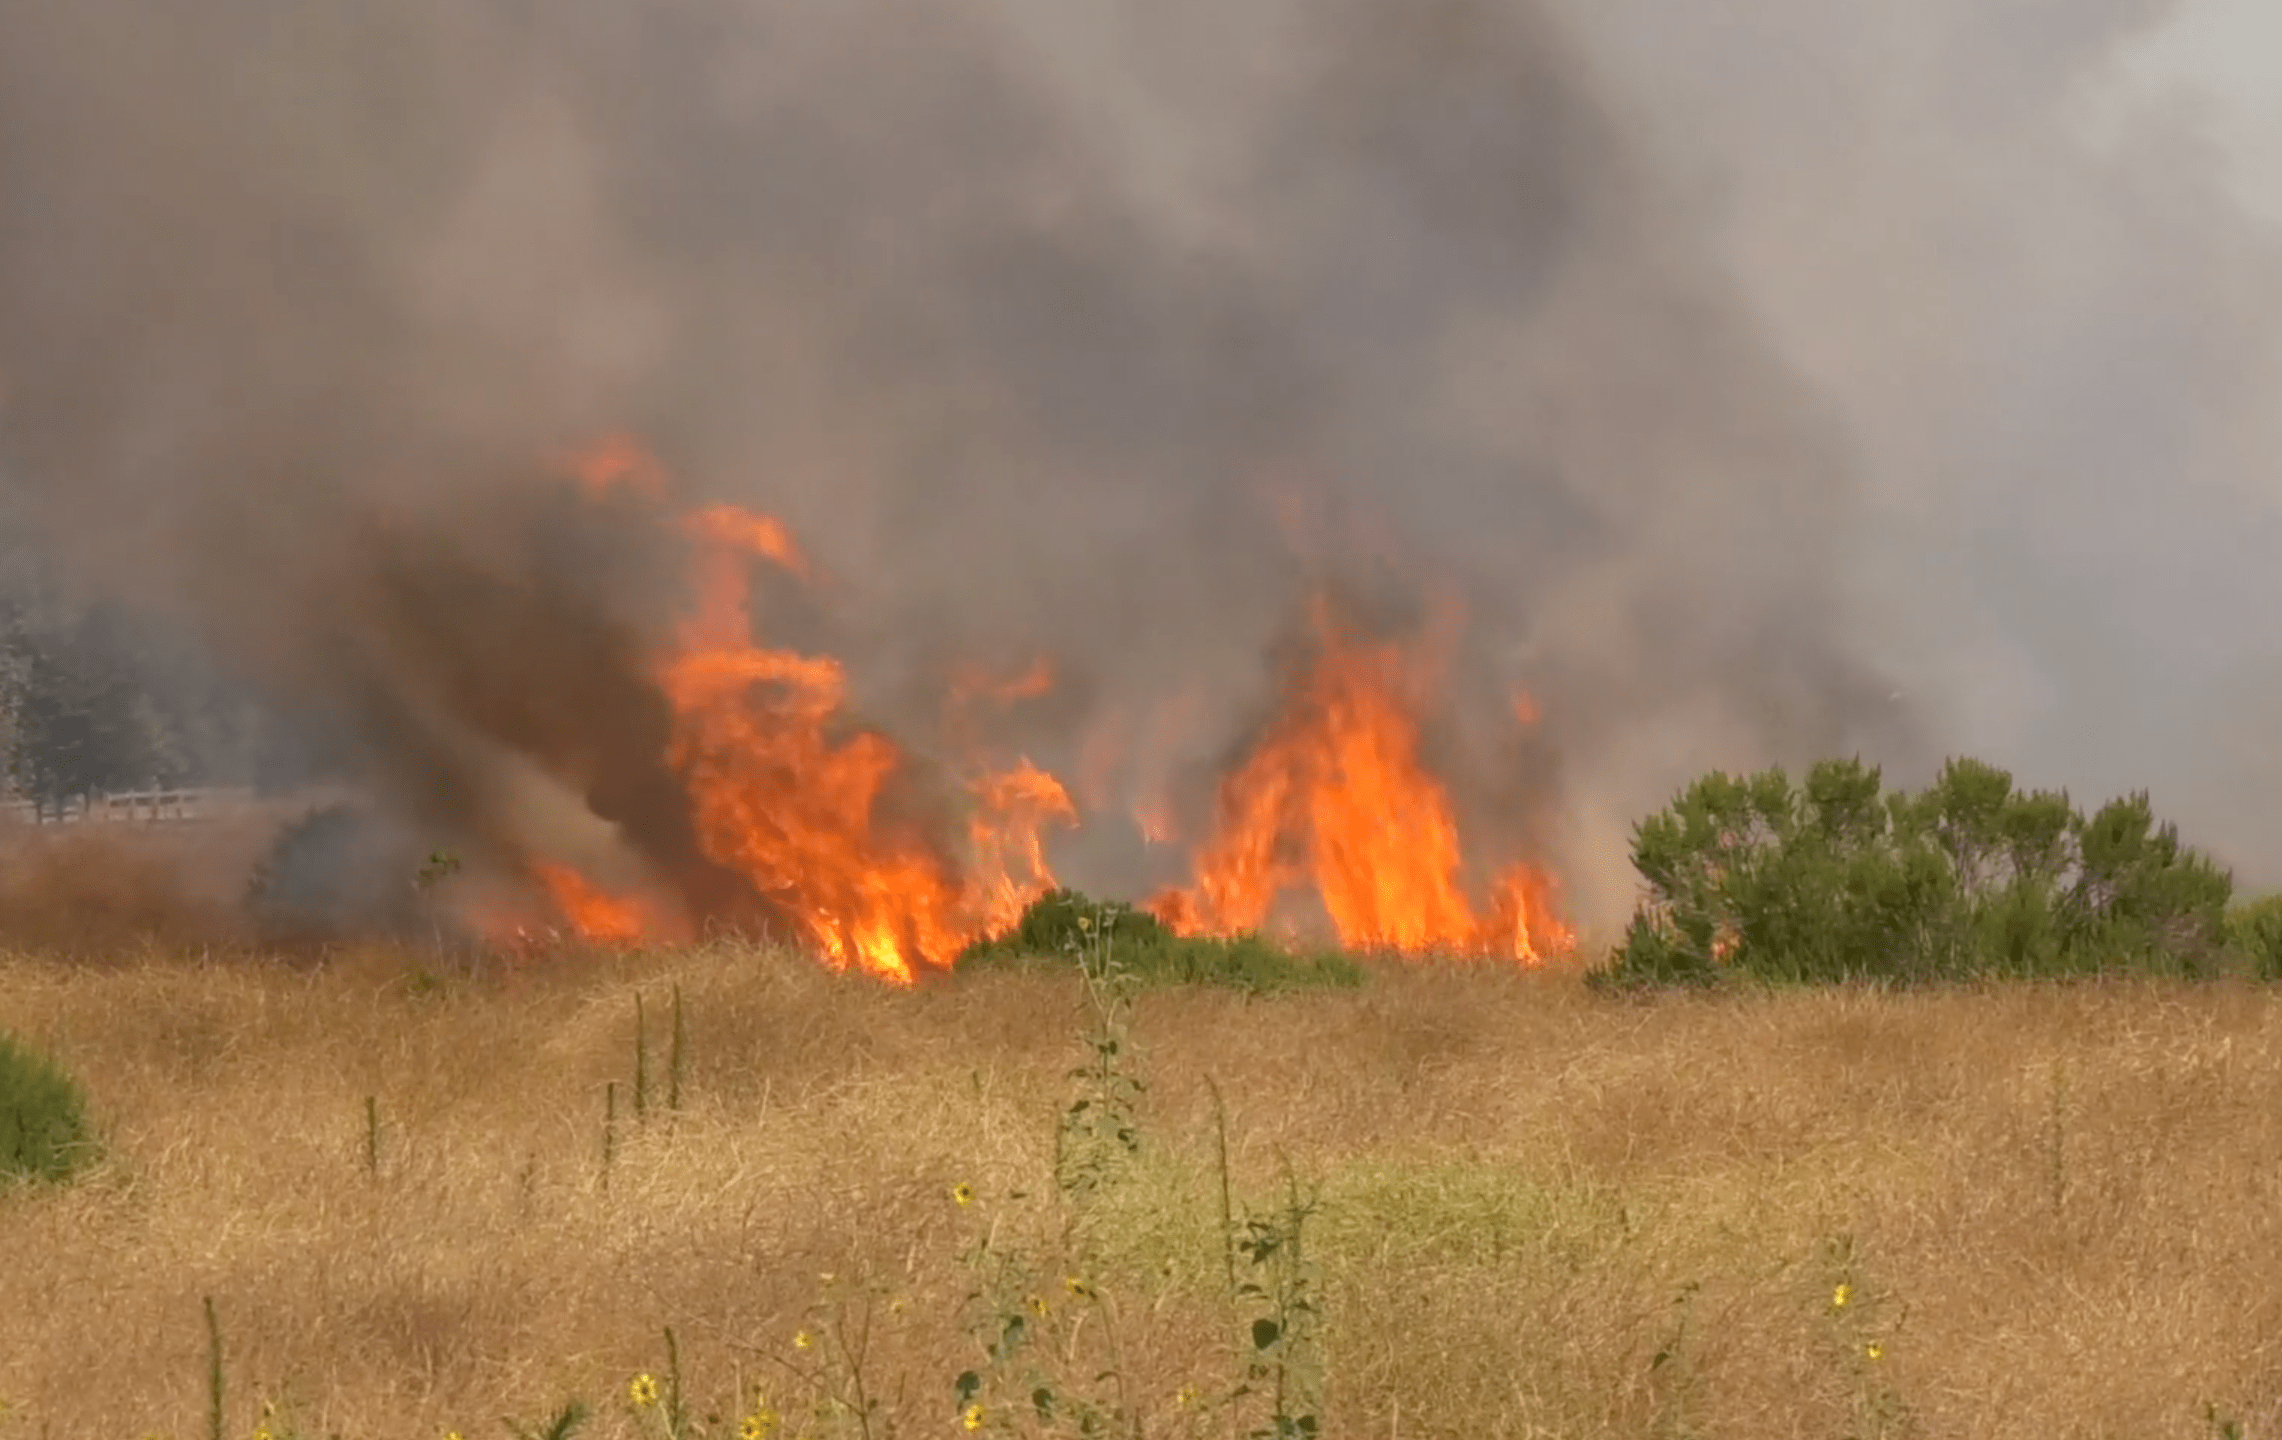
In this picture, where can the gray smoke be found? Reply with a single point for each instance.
(1712, 383)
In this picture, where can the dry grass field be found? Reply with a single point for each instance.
(2057, 1211)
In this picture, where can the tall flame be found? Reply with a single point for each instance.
(1335, 795)
(780, 796)
(786, 791)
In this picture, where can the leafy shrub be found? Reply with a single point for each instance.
(1061, 922)
(43, 1117)
(1062, 925)
(2254, 932)
(1832, 879)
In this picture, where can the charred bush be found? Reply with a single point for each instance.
(343, 870)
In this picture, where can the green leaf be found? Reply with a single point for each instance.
(1265, 1333)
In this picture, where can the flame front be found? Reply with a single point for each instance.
(784, 790)
(594, 913)
(1336, 796)
(778, 797)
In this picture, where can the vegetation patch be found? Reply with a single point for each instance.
(1063, 927)
(43, 1118)
(1833, 879)
(2254, 932)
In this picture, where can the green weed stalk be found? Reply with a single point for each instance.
(213, 1372)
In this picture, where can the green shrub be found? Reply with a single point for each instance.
(2254, 932)
(1064, 924)
(1060, 922)
(1832, 879)
(43, 1121)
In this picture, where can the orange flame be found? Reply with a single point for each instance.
(735, 529)
(780, 793)
(785, 790)
(970, 684)
(1010, 853)
(592, 912)
(1336, 795)
(618, 463)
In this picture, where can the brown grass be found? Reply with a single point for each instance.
(2061, 1203)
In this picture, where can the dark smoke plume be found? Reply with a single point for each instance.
(1101, 332)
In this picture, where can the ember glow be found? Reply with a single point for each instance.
(787, 792)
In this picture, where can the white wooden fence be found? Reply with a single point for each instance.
(132, 807)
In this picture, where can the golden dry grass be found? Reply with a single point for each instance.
(2061, 1202)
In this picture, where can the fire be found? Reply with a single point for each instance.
(735, 529)
(784, 789)
(1335, 795)
(595, 914)
(1009, 846)
(779, 797)
(618, 463)
(969, 685)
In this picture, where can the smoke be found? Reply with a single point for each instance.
(2046, 326)
(1673, 361)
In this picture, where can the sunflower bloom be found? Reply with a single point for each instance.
(972, 1417)
(962, 1195)
(644, 1391)
(1874, 1351)
(802, 1340)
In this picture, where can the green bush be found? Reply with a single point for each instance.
(1063, 924)
(1832, 879)
(2254, 932)
(43, 1117)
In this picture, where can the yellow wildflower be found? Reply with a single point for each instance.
(963, 1195)
(802, 1340)
(644, 1391)
(1078, 1289)
(1185, 1398)
(1841, 1295)
(1874, 1351)
(1036, 1304)
(759, 1425)
(972, 1417)
(1085, 922)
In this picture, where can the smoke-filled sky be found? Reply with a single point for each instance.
(1764, 379)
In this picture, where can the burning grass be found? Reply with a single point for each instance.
(788, 810)
(1536, 1210)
